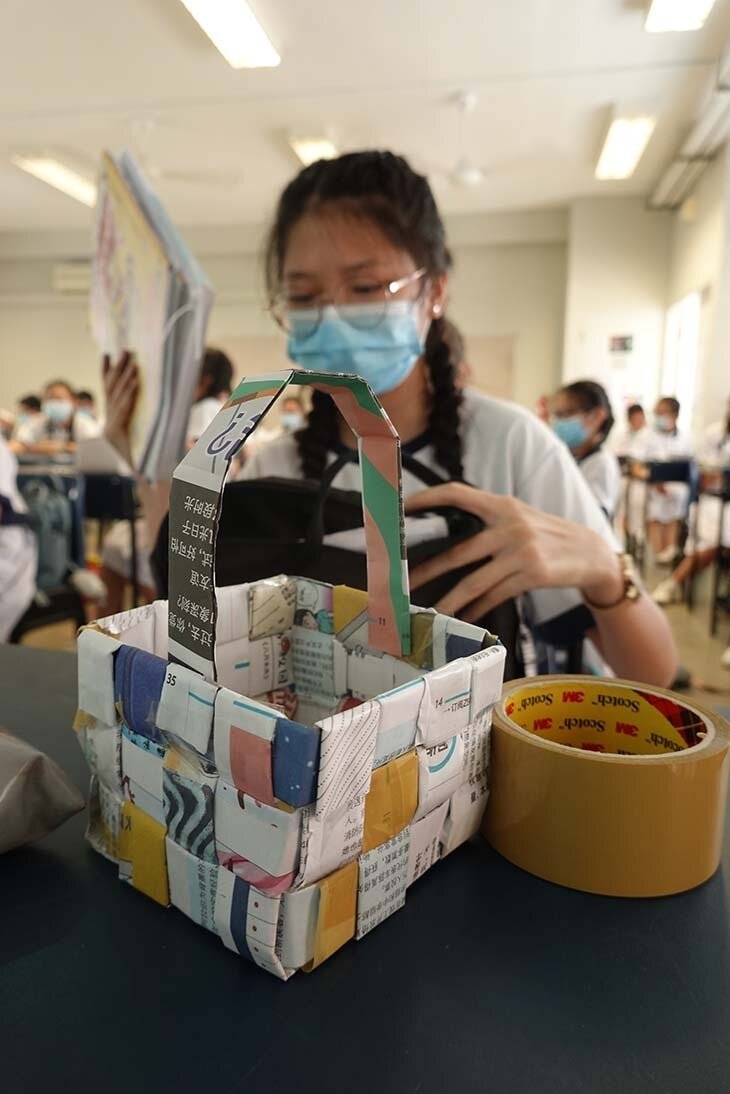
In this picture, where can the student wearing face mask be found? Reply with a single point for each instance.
(292, 414)
(668, 502)
(630, 442)
(58, 428)
(29, 407)
(357, 270)
(582, 418)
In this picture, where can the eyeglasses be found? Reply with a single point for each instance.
(363, 304)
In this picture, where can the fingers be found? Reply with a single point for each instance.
(479, 583)
(477, 548)
(505, 590)
(492, 508)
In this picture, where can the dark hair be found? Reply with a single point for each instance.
(672, 403)
(590, 395)
(217, 369)
(84, 394)
(30, 402)
(635, 408)
(383, 188)
(59, 383)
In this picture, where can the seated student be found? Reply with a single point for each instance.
(28, 408)
(714, 458)
(18, 555)
(358, 273)
(668, 502)
(58, 428)
(86, 404)
(583, 419)
(630, 441)
(215, 384)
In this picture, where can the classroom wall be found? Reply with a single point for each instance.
(700, 262)
(618, 259)
(508, 296)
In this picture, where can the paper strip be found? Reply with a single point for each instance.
(296, 762)
(142, 773)
(391, 801)
(440, 772)
(398, 718)
(271, 606)
(346, 758)
(96, 674)
(446, 703)
(242, 739)
(193, 885)
(425, 848)
(231, 912)
(142, 845)
(337, 913)
(187, 706)
(382, 882)
(189, 785)
(261, 933)
(249, 832)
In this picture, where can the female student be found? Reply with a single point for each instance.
(358, 274)
(583, 419)
(58, 428)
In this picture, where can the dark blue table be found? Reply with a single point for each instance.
(488, 981)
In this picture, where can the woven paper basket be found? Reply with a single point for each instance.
(281, 760)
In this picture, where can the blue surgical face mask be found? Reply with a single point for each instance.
(58, 410)
(571, 431)
(382, 352)
(663, 423)
(291, 420)
(86, 411)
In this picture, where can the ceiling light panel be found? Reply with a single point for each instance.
(235, 31)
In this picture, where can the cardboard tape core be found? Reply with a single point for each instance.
(606, 717)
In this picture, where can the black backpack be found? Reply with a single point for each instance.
(277, 525)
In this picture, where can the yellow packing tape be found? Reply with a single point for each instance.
(607, 786)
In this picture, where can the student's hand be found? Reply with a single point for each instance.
(121, 391)
(522, 549)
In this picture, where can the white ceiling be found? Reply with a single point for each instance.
(83, 74)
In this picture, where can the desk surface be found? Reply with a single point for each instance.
(488, 980)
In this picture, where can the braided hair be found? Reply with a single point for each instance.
(385, 189)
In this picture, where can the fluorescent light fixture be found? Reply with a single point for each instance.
(311, 149)
(677, 15)
(234, 30)
(58, 175)
(624, 146)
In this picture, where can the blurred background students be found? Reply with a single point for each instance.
(668, 502)
(629, 442)
(215, 384)
(58, 428)
(583, 419)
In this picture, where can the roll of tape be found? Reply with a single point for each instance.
(607, 786)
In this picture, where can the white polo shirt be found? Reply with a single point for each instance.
(506, 450)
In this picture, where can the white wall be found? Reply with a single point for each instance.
(618, 257)
(700, 262)
(509, 282)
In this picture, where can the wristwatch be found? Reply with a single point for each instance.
(631, 589)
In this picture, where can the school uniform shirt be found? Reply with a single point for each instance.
(714, 448)
(601, 471)
(40, 428)
(671, 503)
(202, 414)
(713, 452)
(18, 555)
(506, 450)
(631, 443)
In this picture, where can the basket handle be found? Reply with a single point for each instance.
(195, 501)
